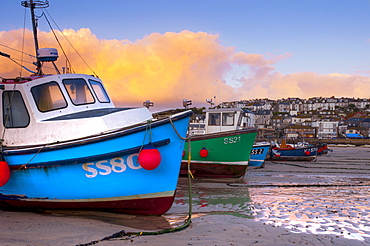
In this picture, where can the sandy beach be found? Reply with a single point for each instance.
(325, 202)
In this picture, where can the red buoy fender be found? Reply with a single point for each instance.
(4, 173)
(149, 157)
(307, 152)
(203, 153)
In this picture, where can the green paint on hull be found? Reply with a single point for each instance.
(232, 147)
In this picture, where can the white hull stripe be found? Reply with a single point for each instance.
(238, 163)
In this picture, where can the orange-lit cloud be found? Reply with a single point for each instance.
(166, 68)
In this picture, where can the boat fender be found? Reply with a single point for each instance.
(203, 153)
(4, 173)
(307, 152)
(149, 157)
(275, 152)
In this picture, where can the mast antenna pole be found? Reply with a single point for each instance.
(33, 4)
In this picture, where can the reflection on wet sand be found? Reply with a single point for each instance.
(329, 196)
(212, 197)
(332, 210)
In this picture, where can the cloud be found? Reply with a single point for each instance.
(166, 68)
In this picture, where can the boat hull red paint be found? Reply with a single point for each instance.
(147, 206)
(207, 170)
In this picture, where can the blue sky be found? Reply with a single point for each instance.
(328, 36)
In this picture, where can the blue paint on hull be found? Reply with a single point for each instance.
(48, 178)
(304, 153)
(258, 155)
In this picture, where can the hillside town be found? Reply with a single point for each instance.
(317, 117)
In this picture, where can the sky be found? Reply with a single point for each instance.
(225, 50)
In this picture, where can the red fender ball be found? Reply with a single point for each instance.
(203, 153)
(4, 173)
(149, 158)
(307, 152)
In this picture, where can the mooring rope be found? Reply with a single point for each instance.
(123, 235)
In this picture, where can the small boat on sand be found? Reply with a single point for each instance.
(259, 153)
(222, 148)
(287, 152)
(323, 149)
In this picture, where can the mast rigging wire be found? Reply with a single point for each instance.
(56, 38)
(23, 35)
(68, 42)
(17, 50)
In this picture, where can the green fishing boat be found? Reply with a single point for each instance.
(220, 147)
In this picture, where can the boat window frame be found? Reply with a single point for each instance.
(39, 98)
(240, 119)
(22, 113)
(74, 101)
(103, 92)
(213, 121)
(225, 120)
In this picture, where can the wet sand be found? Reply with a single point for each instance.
(286, 203)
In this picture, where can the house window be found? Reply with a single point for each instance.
(15, 113)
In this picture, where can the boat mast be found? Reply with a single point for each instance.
(33, 4)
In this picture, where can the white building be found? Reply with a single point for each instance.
(326, 129)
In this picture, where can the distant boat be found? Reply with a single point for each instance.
(323, 149)
(220, 147)
(286, 152)
(259, 153)
(66, 146)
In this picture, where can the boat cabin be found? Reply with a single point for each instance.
(223, 119)
(53, 108)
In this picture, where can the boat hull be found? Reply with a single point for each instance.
(227, 156)
(100, 172)
(307, 153)
(258, 155)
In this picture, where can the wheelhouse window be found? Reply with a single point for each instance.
(48, 97)
(228, 119)
(78, 91)
(214, 119)
(99, 91)
(15, 114)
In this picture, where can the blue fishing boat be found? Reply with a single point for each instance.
(66, 146)
(286, 152)
(259, 153)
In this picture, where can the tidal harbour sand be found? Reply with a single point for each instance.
(325, 202)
